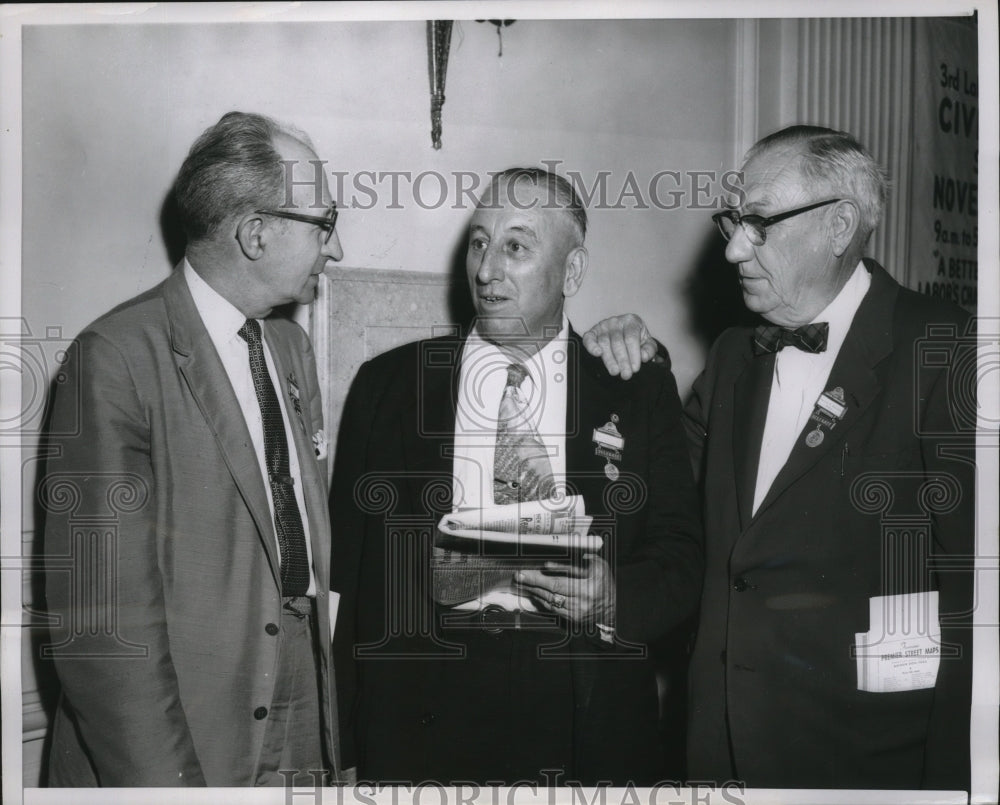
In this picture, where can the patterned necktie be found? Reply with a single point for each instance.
(521, 471)
(521, 467)
(287, 518)
(772, 338)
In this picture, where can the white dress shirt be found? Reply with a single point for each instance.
(223, 322)
(799, 379)
(483, 376)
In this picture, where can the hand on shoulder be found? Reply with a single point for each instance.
(623, 343)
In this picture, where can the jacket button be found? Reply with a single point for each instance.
(260, 713)
(271, 629)
(427, 719)
(740, 584)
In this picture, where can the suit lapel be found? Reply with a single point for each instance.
(206, 378)
(429, 438)
(591, 400)
(868, 341)
(593, 397)
(751, 393)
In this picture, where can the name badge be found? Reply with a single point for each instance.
(828, 411)
(610, 445)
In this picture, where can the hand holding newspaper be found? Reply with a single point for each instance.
(536, 522)
(478, 550)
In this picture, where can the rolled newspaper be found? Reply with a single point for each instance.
(536, 522)
(477, 551)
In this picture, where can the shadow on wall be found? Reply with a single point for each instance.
(713, 294)
(460, 307)
(174, 239)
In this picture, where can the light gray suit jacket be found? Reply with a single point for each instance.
(162, 567)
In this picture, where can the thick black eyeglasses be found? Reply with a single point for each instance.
(326, 222)
(756, 226)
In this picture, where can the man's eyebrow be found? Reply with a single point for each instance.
(757, 206)
(525, 230)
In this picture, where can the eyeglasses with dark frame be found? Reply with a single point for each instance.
(756, 226)
(327, 222)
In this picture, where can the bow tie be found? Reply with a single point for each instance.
(808, 338)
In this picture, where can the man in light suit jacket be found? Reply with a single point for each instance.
(835, 453)
(547, 678)
(187, 533)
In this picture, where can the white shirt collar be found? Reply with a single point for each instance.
(542, 361)
(221, 318)
(840, 312)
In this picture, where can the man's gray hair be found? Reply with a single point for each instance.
(839, 160)
(561, 195)
(231, 169)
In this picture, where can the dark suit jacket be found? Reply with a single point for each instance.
(393, 482)
(773, 684)
(168, 686)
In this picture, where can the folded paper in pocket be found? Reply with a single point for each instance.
(902, 648)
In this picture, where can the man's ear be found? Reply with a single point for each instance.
(250, 234)
(845, 220)
(576, 267)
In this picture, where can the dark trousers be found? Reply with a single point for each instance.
(502, 713)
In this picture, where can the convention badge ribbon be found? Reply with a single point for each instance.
(610, 446)
(293, 394)
(828, 411)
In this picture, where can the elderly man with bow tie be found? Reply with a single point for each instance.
(833, 648)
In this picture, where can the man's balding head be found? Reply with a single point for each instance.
(232, 168)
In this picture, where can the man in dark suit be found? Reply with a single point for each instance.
(834, 648)
(544, 675)
(187, 529)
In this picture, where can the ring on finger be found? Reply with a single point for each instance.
(558, 601)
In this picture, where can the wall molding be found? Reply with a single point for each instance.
(360, 312)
